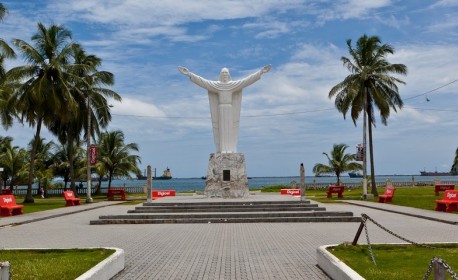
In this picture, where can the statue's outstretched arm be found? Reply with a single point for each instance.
(266, 68)
(183, 70)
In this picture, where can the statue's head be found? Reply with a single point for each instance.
(224, 76)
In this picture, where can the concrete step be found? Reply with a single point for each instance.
(229, 220)
(227, 203)
(228, 212)
(197, 208)
(229, 215)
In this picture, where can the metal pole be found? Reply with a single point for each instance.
(302, 172)
(88, 136)
(358, 234)
(149, 185)
(5, 270)
(439, 271)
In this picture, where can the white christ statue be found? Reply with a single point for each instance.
(225, 97)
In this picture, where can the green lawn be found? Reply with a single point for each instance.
(403, 262)
(416, 197)
(54, 202)
(51, 264)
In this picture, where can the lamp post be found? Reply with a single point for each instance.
(88, 151)
(88, 135)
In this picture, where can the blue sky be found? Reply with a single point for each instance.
(287, 117)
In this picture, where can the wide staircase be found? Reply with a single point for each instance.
(227, 212)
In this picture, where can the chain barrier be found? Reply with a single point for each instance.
(369, 242)
(444, 265)
(369, 246)
(364, 216)
(447, 268)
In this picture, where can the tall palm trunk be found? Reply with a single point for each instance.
(371, 151)
(70, 159)
(99, 186)
(364, 149)
(28, 197)
(110, 176)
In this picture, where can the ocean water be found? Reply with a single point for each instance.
(198, 184)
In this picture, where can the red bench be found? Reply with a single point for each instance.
(8, 206)
(6, 191)
(387, 195)
(443, 187)
(70, 199)
(112, 192)
(449, 202)
(162, 193)
(293, 192)
(335, 189)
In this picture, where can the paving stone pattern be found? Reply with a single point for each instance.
(217, 251)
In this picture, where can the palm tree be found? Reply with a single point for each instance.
(369, 85)
(61, 164)
(116, 156)
(43, 162)
(91, 98)
(339, 162)
(6, 52)
(13, 159)
(454, 168)
(97, 111)
(45, 93)
(101, 171)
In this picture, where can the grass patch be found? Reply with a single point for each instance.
(54, 202)
(41, 204)
(394, 261)
(416, 197)
(52, 263)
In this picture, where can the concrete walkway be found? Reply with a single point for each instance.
(219, 251)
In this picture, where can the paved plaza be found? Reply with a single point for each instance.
(219, 251)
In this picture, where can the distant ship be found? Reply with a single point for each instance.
(355, 175)
(435, 173)
(166, 175)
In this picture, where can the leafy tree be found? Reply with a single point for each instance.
(43, 162)
(46, 82)
(101, 171)
(116, 156)
(369, 85)
(13, 160)
(338, 162)
(91, 98)
(454, 168)
(6, 112)
(61, 164)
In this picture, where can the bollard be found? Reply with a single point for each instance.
(149, 184)
(4, 271)
(439, 271)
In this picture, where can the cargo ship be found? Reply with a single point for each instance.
(435, 173)
(166, 175)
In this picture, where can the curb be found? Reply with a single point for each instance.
(404, 213)
(51, 216)
(107, 268)
(104, 270)
(333, 267)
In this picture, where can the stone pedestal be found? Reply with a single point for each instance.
(226, 176)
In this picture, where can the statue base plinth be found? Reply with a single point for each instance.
(226, 176)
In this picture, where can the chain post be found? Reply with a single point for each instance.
(358, 234)
(439, 270)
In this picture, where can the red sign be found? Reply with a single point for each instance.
(360, 151)
(162, 193)
(293, 192)
(93, 155)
